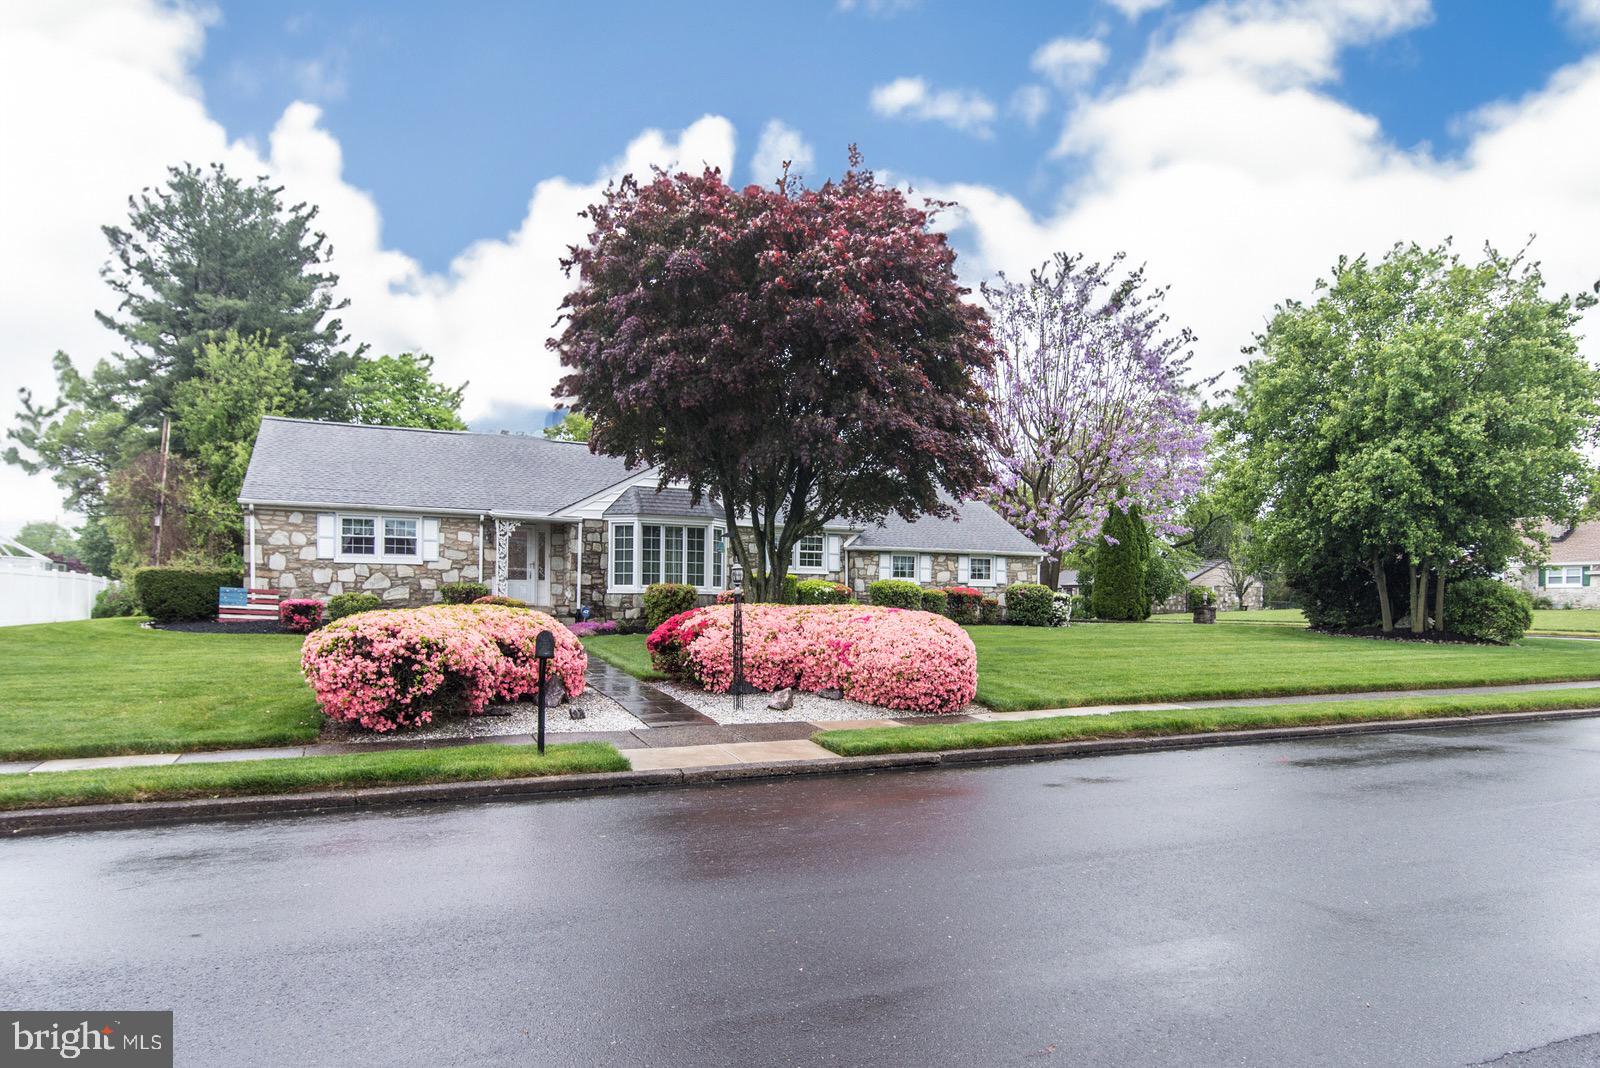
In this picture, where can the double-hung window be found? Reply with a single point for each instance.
(400, 537)
(903, 566)
(1569, 575)
(811, 553)
(358, 536)
(622, 554)
(650, 566)
(981, 569)
(717, 537)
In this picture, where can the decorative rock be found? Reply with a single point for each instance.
(376, 582)
(397, 593)
(832, 694)
(782, 701)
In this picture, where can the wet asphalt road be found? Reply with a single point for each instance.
(1408, 899)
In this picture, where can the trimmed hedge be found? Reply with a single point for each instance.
(936, 601)
(895, 593)
(115, 600)
(1487, 610)
(348, 604)
(462, 592)
(1030, 604)
(663, 600)
(1201, 597)
(175, 594)
(989, 611)
(822, 591)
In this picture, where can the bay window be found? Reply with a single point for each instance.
(644, 553)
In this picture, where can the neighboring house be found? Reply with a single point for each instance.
(333, 508)
(1565, 576)
(1214, 575)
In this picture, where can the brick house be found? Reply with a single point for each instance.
(1565, 576)
(334, 508)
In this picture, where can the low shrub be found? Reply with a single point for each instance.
(1061, 607)
(173, 594)
(462, 592)
(882, 656)
(1200, 597)
(965, 603)
(935, 601)
(663, 600)
(895, 593)
(503, 602)
(1080, 606)
(1543, 602)
(1030, 604)
(822, 591)
(593, 626)
(1488, 610)
(348, 604)
(989, 611)
(400, 668)
(299, 615)
(117, 600)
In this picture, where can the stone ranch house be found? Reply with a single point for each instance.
(1570, 576)
(335, 508)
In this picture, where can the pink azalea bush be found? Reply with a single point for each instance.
(586, 627)
(299, 615)
(890, 657)
(400, 668)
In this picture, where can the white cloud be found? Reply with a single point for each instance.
(1584, 13)
(101, 100)
(1029, 103)
(1070, 62)
(780, 142)
(1134, 8)
(913, 98)
(1227, 167)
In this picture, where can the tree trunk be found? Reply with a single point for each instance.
(1050, 572)
(1384, 608)
(1438, 601)
(1419, 597)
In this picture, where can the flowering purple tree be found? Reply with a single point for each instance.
(1088, 404)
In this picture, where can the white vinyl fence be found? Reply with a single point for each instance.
(32, 595)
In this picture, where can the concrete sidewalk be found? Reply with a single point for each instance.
(693, 745)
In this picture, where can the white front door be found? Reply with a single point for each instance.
(528, 565)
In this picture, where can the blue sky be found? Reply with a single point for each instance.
(1234, 148)
(447, 112)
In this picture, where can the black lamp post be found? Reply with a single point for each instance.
(544, 647)
(736, 574)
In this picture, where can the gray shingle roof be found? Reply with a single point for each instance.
(974, 528)
(297, 461)
(647, 500)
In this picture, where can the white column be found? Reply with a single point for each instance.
(503, 529)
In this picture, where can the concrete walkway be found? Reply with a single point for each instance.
(694, 744)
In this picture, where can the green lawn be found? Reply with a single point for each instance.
(1567, 620)
(1024, 667)
(625, 651)
(1283, 617)
(298, 774)
(920, 739)
(108, 686)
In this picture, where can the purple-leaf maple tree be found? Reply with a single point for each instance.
(1089, 405)
(797, 354)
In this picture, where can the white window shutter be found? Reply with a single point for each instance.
(925, 568)
(885, 565)
(835, 544)
(326, 535)
(430, 538)
(963, 569)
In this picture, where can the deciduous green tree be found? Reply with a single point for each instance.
(401, 391)
(574, 426)
(47, 537)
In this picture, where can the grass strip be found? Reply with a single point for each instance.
(623, 651)
(877, 740)
(395, 767)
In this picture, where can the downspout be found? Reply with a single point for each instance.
(250, 540)
(480, 546)
(577, 564)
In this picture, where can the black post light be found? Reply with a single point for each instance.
(736, 574)
(544, 647)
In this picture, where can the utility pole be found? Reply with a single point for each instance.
(161, 494)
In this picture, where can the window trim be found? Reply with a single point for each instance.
(894, 561)
(973, 579)
(377, 556)
(1571, 576)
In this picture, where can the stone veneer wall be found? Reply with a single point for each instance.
(1560, 596)
(286, 561)
(863, 569)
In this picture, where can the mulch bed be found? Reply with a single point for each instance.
(1432, 637)
(211, 626)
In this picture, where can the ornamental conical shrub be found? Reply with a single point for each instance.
(1119, 588)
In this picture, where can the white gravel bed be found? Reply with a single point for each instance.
(601, 713)
(808, 707)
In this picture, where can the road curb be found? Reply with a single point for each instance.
(143, 813)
